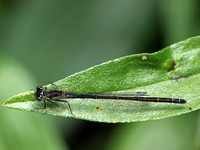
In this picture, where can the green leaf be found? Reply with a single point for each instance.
(153, 73)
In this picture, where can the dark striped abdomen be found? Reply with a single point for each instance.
(145, 99)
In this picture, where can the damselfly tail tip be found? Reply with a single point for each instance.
(183, 101)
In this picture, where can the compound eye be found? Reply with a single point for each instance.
(41, 96)
(39, 87)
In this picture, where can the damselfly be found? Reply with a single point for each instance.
(55, 95)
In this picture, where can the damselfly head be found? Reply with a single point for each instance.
(39, 93)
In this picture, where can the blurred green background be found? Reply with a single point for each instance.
(42, 41)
